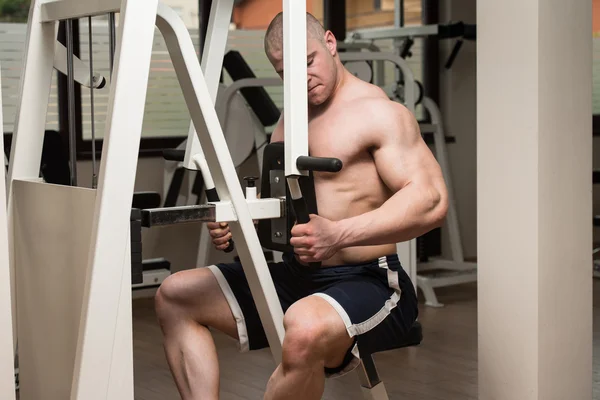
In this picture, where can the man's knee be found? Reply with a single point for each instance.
(181, 290)
(314, 334)
(170, 290)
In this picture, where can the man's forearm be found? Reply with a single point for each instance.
(410, 213)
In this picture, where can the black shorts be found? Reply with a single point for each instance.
(376, 300)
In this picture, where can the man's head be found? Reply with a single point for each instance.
(322, 58)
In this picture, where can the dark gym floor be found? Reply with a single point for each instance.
(443, 367)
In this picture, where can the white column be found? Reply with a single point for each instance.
(534, 167)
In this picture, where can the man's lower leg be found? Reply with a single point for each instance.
(192, 357)
(293, 381)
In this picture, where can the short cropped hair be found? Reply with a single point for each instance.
(274, 34)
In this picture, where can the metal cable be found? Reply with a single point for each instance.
(112, 39)
(71, 103)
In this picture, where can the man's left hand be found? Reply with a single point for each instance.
(316, 240)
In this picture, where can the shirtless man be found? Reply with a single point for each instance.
(361, 301)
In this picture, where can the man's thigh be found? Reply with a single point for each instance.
(377, 309)
(234, 286)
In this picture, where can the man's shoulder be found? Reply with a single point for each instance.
(380, 111)
(381, 120)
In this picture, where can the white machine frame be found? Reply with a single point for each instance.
(103, 366)
(7, 343)
(71, 268)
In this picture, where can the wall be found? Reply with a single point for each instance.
(458, 105)
(256, 14)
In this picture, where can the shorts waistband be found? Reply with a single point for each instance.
(390, 259)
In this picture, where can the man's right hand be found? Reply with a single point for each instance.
(220, 234)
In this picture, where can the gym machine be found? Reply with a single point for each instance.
(7, 351)
(72, 267)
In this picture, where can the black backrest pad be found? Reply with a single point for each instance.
(256, 97)
(274, 160)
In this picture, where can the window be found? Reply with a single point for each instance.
(11, 60)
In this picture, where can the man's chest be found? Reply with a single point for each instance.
(339, 138)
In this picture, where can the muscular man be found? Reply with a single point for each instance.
(361, 301)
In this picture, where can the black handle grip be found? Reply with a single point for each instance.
(324, 164)
(174, 154)
(451, 30)
(212, 196)
(303, 217)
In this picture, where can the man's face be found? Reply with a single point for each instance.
(321, 69)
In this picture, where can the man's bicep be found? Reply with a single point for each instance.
(398, 165)
(403, 157)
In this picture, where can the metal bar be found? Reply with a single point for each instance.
(441, 154)
(103, 361)
(71, 104)
(368, 372)
(212, 65)
(399, 13)
(395, 33)
(178, 215)
(295, 96)
(398, 23)
(112, 40)
(7, 353)
(227, 95)
(204, 7)
(334, 13)
(72, 9)
(30, 121)
(431, 51)
(201, 108)
(212, 212)
(80, 69)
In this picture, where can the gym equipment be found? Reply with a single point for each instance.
(86, 237)
(92, 118)
(7, 344)
(80, 71)
(258, 99)
(459, 30)
(457, 270)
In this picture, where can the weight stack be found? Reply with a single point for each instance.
(135, 227)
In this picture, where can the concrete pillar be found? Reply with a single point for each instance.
(534, 166)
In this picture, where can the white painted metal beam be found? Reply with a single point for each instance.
(295, 96)
(57, 10)
(201, 107)
(7, 380)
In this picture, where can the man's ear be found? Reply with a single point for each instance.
(331, 42)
